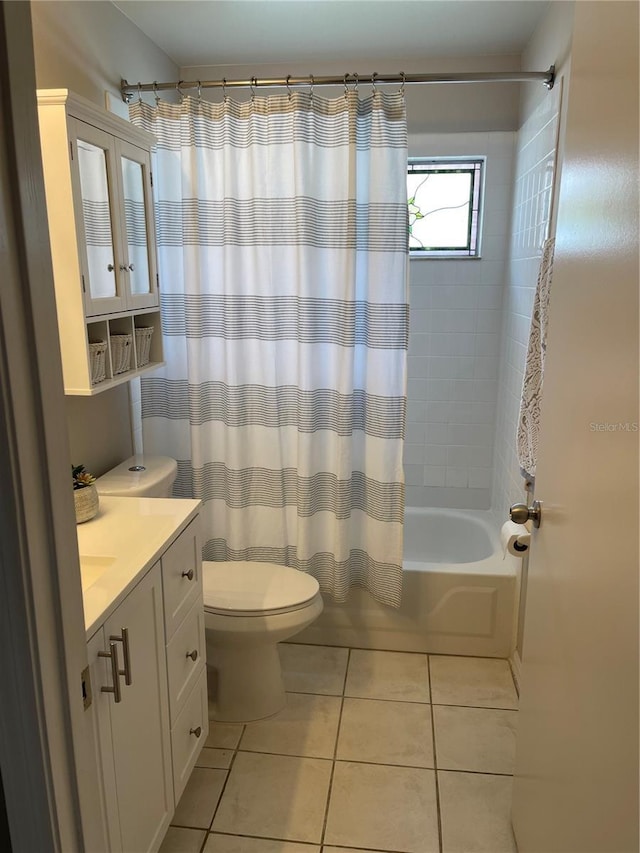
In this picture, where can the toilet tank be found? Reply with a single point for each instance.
(140, 476)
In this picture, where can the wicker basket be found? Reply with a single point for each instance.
(121, 353)
(143, 344)
(98, 361)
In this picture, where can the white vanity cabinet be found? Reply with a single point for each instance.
(98, 182)
(133, 723)
(149, 696)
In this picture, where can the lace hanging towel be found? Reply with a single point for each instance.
(529, 419)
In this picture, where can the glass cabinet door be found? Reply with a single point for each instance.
(102, 270)
(138, 233)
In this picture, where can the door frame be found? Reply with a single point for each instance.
(47, 750)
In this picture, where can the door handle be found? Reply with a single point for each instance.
(124, 639)
(115, 672)
(193, 655)
(188, 575)
(521, 513)
(197, 731)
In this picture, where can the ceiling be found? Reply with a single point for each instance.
(231, 32)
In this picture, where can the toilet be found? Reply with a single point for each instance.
(249, 608)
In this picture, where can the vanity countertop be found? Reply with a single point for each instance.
(126, 537)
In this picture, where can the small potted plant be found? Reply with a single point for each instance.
(85, 494)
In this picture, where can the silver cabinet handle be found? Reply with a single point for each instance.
(197, 731)
(193, 655)
(115, 672)
(188, 575)
(110, 267)
(132, 268)
(124, 639)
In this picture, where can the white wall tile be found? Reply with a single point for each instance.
(455, 327)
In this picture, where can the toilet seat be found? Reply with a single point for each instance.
(250, 588)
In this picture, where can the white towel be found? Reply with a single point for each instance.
(529, 420)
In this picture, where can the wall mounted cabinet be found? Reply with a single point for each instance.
(98, 181)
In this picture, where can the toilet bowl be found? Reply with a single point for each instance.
(249, 608)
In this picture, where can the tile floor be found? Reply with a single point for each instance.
(375, 751)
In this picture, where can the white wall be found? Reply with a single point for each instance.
(88, 47)
(539, 147)
(534, 177)
(454, 343)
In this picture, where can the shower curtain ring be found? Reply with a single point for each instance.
(355, 88)
(311, 84)
(155, 92)
(139, 92)
(404, 81)
(199, 91)
(224, 90)
(179, 90)
(374, 88)
(346, 88)
(288, 86)
(254, 82)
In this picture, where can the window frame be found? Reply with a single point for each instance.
(477, 165)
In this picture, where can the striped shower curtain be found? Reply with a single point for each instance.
(282, 237)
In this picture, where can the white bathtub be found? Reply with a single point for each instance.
(459, 593)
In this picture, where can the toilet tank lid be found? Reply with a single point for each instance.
(136, 475)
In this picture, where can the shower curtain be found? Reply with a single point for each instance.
(282, 239)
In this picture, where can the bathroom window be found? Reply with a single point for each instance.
(444, 198)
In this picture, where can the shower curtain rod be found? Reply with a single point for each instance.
(353, 80)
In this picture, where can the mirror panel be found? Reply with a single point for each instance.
(96, 212)
(136, 226)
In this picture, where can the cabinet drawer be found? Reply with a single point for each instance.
(186, 644)
(181, 577)
(186, 741)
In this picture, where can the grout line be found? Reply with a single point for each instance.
(335, 752)
(435, 761)
(224, 787)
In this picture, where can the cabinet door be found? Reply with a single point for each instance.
(140, 722)
(100, 711)
(95, 188)
(137, 225)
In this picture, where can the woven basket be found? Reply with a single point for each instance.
(98, 361)
(143, 344)
(121, 353)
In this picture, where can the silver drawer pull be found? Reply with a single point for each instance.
(193, 655)
(115, 672)
(188, 575)
(124, 639)
(197, 732)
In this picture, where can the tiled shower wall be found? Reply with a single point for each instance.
(533, 190)
(454, 343)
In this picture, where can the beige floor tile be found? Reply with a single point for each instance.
(200, 798)
(479, 739)
(179, 840)
(475, 813)
(388, 675)
(308, 726)
(224, 735)
(313, 669)
(220, 758)
(483, 682)
(386, 732)
(276, 796)
(384, 808)
(326, 849)
(241, 844)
